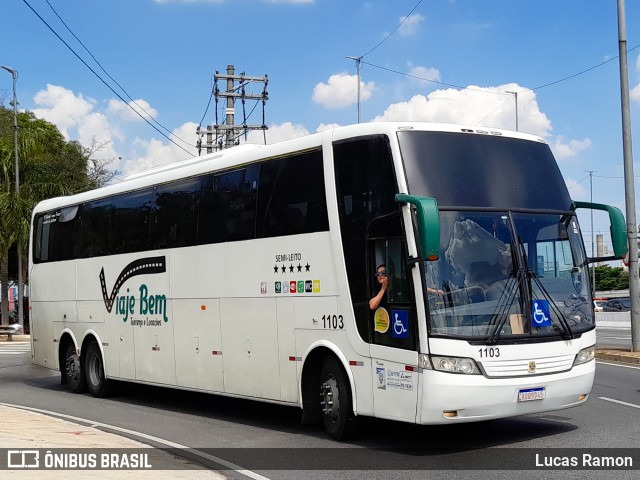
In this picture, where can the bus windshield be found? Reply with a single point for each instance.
(512, 261)
(504, 274)
(487, 171)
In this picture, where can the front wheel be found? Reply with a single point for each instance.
(335, 400)
(73, 370)
(94, 371)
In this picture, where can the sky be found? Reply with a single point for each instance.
(454, 61)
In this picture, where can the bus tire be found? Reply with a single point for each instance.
(73, 370)
(94, 371)
(335, 400)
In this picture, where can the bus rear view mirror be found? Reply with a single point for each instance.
(618, 228)
(428, 224)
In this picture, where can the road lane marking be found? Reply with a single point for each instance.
(617, 364)
(15, 348)
(613, 400)
(168, 443)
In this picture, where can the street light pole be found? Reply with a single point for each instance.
(14, 75)
(516, 96)
(593, 268)
(358, 61)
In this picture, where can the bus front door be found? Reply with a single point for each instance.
(394, 337)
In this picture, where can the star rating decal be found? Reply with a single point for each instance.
(283, 268)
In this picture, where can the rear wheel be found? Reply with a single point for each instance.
(335, 400)
(73, 370)
(94, 371)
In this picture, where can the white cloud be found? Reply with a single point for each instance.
(326, 126)
(575, 188)
(562, 149)
(128, 111)
(62, 107)
(410, 24)
(76, 118)
(421, 75)
(481, 106)
(634, 93)
(156, 153)
(341, 91)
(276, 133)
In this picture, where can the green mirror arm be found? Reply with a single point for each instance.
(428, 220)
(618, 226)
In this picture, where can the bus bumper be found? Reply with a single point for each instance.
(454, 398)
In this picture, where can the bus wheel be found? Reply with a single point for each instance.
(94, 371)
(335, 400)
(73, 370)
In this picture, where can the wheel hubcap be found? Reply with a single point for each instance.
(330, 399)
(73, 368)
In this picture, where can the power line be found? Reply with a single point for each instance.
(492, 111)
(113, 79)
(577, 183)
(103, 81)
(433, 81)
(393, 31)
(409, 75)
(583, 71)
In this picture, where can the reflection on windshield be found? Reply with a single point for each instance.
(506, 274)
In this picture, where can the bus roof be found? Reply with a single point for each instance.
(250, 153)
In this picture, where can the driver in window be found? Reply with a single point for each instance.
(383, 284)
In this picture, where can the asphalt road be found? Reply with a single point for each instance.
(268, 439)
(613, 337)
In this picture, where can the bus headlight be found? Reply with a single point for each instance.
(465, 366)
(585, 355)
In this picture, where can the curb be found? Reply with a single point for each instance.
(624, 356)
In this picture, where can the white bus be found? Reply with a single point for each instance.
(248, 273)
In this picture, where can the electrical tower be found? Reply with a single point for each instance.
(228, 134)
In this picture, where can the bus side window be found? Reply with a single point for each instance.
(130, 222)
(235, 195)
(64, 227)
(96, 223)
(174, 220)
(292, 198)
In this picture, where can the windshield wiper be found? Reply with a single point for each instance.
(502, 312)
(519, 262)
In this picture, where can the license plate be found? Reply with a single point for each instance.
(529, 394)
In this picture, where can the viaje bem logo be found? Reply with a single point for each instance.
(143, 266)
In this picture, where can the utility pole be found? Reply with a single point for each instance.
(358, 61)
(228, 134)
(14, 75)
(632, 231)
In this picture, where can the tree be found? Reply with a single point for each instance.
(611, 278)
(49, 166)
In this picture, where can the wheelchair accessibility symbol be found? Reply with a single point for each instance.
(400, 323)
(541, 313)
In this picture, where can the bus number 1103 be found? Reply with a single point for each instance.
(489, 352)
(333, 321)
